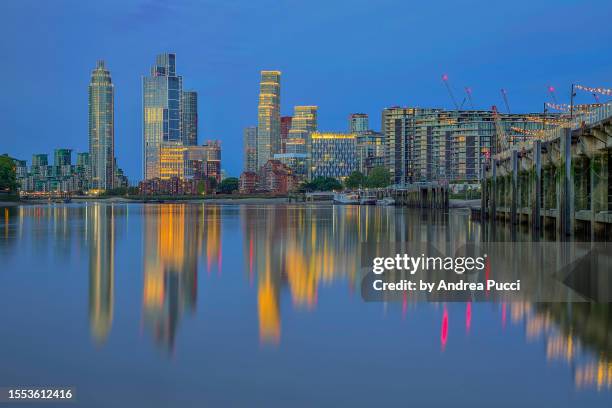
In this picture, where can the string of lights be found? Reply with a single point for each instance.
(526, 131)
(602, 91)
(565, 107)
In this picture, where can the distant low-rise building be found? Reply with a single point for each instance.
(277, 178)
(248, 182)
(172, 186)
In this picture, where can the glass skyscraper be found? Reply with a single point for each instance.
(268, 117)
(190, 118)
(162, 112)
(101, 128)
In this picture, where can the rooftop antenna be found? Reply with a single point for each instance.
(450, 91)
(505, 96)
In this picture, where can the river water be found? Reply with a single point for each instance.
(186, 305)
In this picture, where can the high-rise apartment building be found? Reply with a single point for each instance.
(358, 122)
(101, 129)
(370, 150)
(62, 176)
(395, 126)
(62, 162)
(268, 117)
(83, 168)
(190, 118)
(162, 112)
(332, 154)
(62, 157)
(40, 159)
(250, 148)
(423, 144)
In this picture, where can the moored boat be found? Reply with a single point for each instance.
(346, 198)
(367, 198)
(386, 201)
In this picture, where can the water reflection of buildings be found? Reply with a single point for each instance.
(174, 235)
(56, 230)
(100, 220)
(577, 334)
(303, 248)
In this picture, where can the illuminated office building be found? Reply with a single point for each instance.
(304, 122)
(190, 162)
(190, 118)
(268, 117)
(250, 148)
(162, 112)
(101, 129)
(332, 154)
(171, 161)
(358, 122)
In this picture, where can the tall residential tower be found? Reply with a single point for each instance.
(268, 117)
(101, 128)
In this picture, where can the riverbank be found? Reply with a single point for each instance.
(157, 200)
(453, 203)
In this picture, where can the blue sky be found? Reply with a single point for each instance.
(344, 56)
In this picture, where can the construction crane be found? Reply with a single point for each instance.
(551, 91)
(505, 96)
(502, 142)
(468, 92)
(450, 91)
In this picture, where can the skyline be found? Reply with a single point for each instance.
(522, 47)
